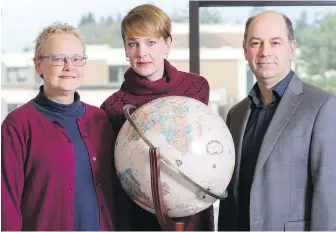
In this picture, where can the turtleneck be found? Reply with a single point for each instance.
(57, 111)
(86, 213)
(138, 85)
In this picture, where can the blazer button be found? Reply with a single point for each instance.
(94, 158)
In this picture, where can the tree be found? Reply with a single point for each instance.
(180, 15)
(109, 20)
(256, 10)
(210, 16)
(328, 84)
(301, 26)
(317, 46)
(206, 15)
(87, 19)
(106, 31)
(27, 48)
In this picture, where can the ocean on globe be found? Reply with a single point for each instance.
(192, 137)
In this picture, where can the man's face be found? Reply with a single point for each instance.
(268, 49)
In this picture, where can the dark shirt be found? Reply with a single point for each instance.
(86, 204)
(257, 125)
(38, 170)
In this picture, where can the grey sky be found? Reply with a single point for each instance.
(23, 19)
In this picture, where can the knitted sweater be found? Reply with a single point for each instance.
(137, 91)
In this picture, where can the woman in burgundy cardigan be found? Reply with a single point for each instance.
(55, 149)
(146, 31)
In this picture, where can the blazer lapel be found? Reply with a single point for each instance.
(239, 126)
(286, 108)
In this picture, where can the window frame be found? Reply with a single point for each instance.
(194, 25)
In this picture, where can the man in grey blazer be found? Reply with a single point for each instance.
(285, 139)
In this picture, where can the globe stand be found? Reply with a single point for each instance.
(161, 211)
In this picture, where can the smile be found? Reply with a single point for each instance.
(261, 64)
(67, 77)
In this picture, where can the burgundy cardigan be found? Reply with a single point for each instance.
(38, 170)
(137, 91)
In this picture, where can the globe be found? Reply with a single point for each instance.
(192, 137)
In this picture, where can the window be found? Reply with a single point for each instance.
(224, 25)
(17, 75)
(116, 74)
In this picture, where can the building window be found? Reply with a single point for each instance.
(116, 74)
(17, 75)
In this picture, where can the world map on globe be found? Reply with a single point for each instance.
(192, 137)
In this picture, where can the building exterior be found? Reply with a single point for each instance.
(222, 64)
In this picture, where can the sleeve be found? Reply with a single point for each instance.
(121, 201)
(199, 90)
(12, 178)
(323, 171)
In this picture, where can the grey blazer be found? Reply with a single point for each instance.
(294, 184)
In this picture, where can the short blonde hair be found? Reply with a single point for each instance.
(54, 29)
(146, 20)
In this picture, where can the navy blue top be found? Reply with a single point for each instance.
(86, 203)
(259, 120)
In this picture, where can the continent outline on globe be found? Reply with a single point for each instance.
(181, 126)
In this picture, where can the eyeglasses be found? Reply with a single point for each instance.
(61, 60)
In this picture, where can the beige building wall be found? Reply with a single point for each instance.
(180, 65)
(96, 73)
(220, 74)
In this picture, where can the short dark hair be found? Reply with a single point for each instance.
(288, 22)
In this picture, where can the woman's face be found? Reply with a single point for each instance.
(61, 63)
(146, 55)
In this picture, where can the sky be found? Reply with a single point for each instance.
(22, 20)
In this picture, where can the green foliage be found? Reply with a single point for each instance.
(106, 31)
(317, 45)
(206, 16)
(328, 84)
